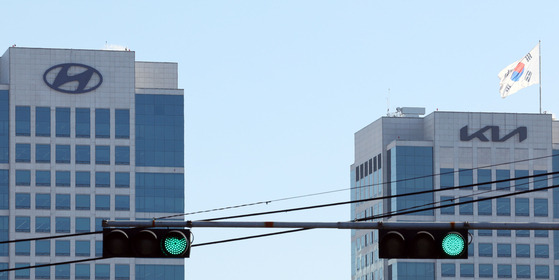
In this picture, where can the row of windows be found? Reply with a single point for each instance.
(368, 167)
(82, 122)
(43, 201)
(81, 178)
(487, 270)
(522, 207)
(82, 154)
(81, 271)
(521, 250)
(102, 271)
(466, 178)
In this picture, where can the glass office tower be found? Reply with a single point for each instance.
(408, 153)
(86, 135)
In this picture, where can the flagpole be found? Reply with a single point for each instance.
(540, 64)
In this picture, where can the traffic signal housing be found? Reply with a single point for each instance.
(146, 243)
(423, 244)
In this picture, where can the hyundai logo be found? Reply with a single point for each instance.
(73, 78)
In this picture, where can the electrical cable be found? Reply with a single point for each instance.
(350, 189)
(52, 264)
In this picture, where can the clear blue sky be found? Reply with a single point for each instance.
(275, 91)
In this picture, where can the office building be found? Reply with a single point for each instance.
(407, 152)
(86, 135)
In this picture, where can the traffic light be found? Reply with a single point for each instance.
(146, 243)
(423, 244)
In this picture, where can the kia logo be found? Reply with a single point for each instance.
(522, 132)
(73, 78)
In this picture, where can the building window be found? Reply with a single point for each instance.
(521, 184)
(23, 224)
(503, 232)
(122, 272)
(122, 155)
(23, 178)
(542, 272)
(540, 181)
(23, 121)
(42, 224)
(540, 207)
(42, 178)
(485, 270)
(503, 250)
(63, 154)
(42, 153)
(42, 201)
(23, 248)
(62, 178)
(485, 207)
(122, 202)
(522, 206)
(42, 272)
(83, 123)
(503, 175)
(62, 224)
(4, 235)
(83, 154)
(62, 202)
(102, 202)
(4, 190)
(122, 180)
(446, 200)
(83, 202)
(82, 224)
(102, 271)
(522, 250)
(42, 248)
(23, 152)
(503, 206)
(485, 249)
(82, 248)
(22, 273)
(144, 271)
(466, 270)
(42, 121)
(466, 178)
(522, 233)
(102, 154)
(62, 247)
(484, 176)
(23, 201)
(122, 123)
(170, 190)
(522, 271)
(468, 207)
(98, 248)
(82, 271)
(83, 179)
(541, 251)
(541, 233)
(62, 122)
(504, 271)
(102, 179)
(448, 270)
(62, 271)
(102, 123)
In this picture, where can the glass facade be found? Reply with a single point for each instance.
(4, 126)
(411, 168)
(159, 130)
(159, 192)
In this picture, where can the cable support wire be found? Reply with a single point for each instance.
(350, 189)
(384, 215)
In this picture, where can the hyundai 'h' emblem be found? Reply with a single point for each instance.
(73, 78)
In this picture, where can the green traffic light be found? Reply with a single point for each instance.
(453, 244)
(175, 244)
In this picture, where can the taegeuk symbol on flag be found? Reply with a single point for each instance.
(521, 73)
